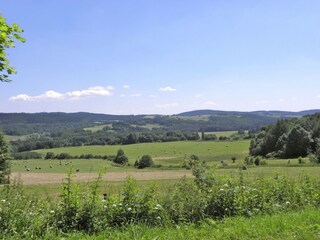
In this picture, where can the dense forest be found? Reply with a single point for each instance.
(289, 138)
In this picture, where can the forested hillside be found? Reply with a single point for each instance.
(289, 138)
(200, 120)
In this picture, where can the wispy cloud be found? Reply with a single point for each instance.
(153, 96)
(167, 89)
(53, 95)
(318, 96)
(126, 86)
(136, 95)
(199, 96)
(168, 105)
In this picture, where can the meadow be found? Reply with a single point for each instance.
(167, 153)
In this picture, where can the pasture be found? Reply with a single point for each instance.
(169, 158)
(168, 153)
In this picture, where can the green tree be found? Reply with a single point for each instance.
(144, 161)
(8, 35)
(121, 158)
(4, 154)
(299, 142)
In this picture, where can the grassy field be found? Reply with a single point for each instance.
(220, 134)
(169, 153)
(98, 127)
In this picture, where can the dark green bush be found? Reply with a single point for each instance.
(144, 161)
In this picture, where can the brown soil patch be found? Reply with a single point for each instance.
(47, 178)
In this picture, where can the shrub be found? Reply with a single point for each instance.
(144, 161)
(257, 161)
(121, 158)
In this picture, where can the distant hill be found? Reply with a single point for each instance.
(281, 114)
(209, 120)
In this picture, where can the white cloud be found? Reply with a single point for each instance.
(53, 95)
(168, 89)
(136, 95)
(198, 96)
(152, 96)
(126, 86)
(168, 105)
(122, 95)
(20, 97)
(281, 100)
(318, 96)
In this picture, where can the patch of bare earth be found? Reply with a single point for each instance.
(47, 178)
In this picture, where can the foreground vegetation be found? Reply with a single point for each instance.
(292, 225)
(206, 200)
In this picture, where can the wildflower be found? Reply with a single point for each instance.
(159, 218)
(3, 200)
(114, 205)
(129, 209)
(287, 202)
(103, 200)
(52, 211)
(221, 189)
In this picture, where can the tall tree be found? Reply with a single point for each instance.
(8, 35)
(4, 154)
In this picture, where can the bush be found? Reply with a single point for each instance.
(145, 161)
(257, 161)
(121, 158)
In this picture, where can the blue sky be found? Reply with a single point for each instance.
(168, 56)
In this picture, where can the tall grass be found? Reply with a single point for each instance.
(207, 199)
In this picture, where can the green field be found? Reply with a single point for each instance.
(98, 127)
(169, 153)
(220, 133)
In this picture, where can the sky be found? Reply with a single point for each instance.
(163, 57)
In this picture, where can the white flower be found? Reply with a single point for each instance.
(159, 218)
(129, 209)
(3, 200)
(103, 200)
(52, 211)
(287, 202)
(114, 205)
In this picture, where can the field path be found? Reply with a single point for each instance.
(47, 178)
